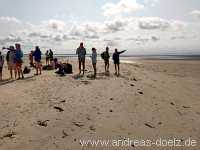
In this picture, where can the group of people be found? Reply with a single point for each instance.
(81, 52)
(49, 56)
(14, 60)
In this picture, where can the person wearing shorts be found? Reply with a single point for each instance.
(19, 61)
(105, 56)
(81, 52)
(37, 57)
(117, 61)
(10, 58)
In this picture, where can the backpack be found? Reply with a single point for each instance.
(67, 68)
(7, 56)
(27, 70)
(102, 55)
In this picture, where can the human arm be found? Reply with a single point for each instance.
(121, 52)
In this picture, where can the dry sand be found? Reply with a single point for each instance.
(149, 100)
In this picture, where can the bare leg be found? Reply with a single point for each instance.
(11, 73)
(108, 66)
(37, 68)
(15, 70)
(40, 68)
(21, 72)
(0, 76)
(118, 68)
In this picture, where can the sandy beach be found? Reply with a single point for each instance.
(151, 99)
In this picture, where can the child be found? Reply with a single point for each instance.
(94, 61)
(1, 65)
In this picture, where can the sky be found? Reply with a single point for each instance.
(139, 26)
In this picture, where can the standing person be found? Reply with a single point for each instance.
(19, 61)
(51, 55)
(94, 61)
(31, 59)
(47, 57)
(1, 65)
(116, 60)
(105, 56)
(81, 52)
(37, 56)
(10, 58)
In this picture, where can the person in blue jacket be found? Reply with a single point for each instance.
(37, 54)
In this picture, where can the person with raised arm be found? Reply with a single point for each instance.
(117, 60)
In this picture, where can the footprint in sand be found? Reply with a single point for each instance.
(11, 134)
(92, 128)
(85, 82)
(149, 125)
(64, 134)
(58, 108)
(78, 124)
(42, 123)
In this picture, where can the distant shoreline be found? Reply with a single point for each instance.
(140, 57)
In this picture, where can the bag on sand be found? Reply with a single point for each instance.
(27, 70)
(47, 67)
(67, 68)
(102, 55)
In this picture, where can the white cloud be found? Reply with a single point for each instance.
(196, 13)
(151, 23)
(121, 32)
(123, 6)
(9, 19)
(56, 24)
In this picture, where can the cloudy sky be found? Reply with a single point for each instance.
(140, 26)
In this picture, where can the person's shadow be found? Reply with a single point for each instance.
(78, 76)
(6, 81)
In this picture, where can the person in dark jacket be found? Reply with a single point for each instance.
(105, 56)
(81, 52)
(116, 60)
(37, 57)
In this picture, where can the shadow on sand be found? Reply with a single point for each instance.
(78, 76)
(6, 81)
